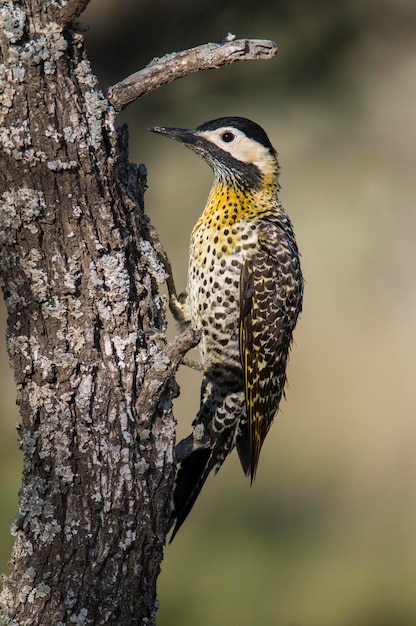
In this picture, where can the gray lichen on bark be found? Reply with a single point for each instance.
(81, 295)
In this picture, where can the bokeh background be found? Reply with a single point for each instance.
(326, 535)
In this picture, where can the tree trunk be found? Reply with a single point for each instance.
(80, 269)
(80, 285)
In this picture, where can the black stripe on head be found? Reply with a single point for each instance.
(249, 128)
(224, 165)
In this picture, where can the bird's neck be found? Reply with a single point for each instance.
(236, 200)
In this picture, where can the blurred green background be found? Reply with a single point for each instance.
(326, 535)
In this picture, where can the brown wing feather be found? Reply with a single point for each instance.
(249, 360)
(270, 301)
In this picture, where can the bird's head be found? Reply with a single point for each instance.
(235, 147)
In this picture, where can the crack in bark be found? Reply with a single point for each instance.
(71, 11)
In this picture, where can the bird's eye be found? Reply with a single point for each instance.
(227, 136)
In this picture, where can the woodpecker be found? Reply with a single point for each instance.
(244, 294)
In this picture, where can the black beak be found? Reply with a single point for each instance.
(180, 134)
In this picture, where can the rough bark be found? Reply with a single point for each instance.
(95, 379)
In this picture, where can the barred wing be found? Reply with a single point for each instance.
(271, 289)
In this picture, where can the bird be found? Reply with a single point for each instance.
(244, 295)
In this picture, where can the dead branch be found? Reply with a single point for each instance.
(170, 67)
(164, 369)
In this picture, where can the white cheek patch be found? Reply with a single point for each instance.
(247, 150)
(242, 148)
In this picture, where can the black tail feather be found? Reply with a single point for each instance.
(243, 449)
(192, 474)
